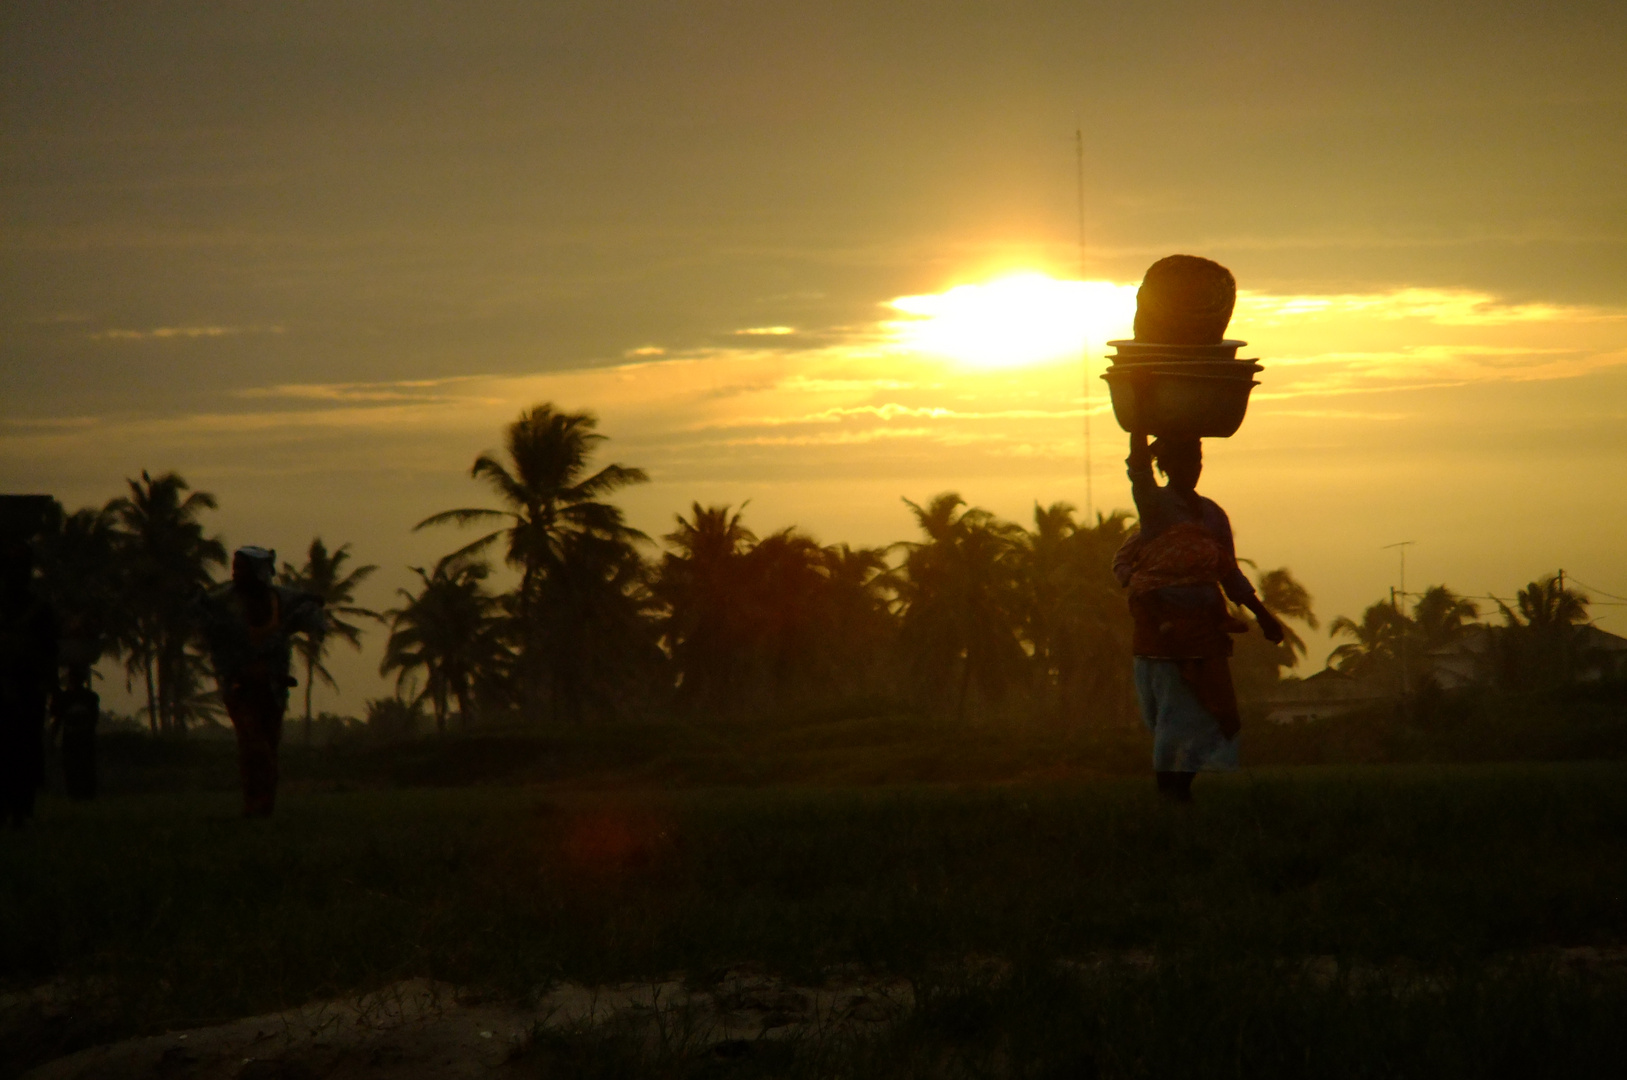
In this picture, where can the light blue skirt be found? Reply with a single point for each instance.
(1185, 736)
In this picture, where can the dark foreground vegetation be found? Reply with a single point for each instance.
(918, 762)
(1361, 922)
(869, 743)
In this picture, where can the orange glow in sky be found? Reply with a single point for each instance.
(1381, 414)
(825, 261)
(1014, 321)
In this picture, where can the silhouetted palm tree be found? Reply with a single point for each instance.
(1074, 616)
(787, 593)
(1047, 565)
(959, 596)
(1286, 598)
(193, 697)
(860, 630)
(392, 719)
(551, 501)
(549, 498)
(701, 584)
(857, 579)
(1540, 643)
(167, 559)
(83, 570)
(1375, 650)
(451, 632)
(779, 620)
(1440, 616)
(599, 634)
(1257, 664)
(323, 576)
(1547, 605)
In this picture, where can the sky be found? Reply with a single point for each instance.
(824, 257)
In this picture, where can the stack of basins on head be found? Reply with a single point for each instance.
(1180, 376)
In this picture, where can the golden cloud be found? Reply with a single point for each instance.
(165, 333)
(890, 383)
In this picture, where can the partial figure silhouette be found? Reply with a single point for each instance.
(28, 656)
(1180, 567)
(247, 626)
(74, 715)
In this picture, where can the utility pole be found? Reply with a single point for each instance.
(1079, 160)
(1402, 547)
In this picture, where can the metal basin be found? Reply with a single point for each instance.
(1231, 369)
(1131, 350)
(1175, 403)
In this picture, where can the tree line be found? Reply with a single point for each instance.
(124, 578)
(1541, 639)
(974, 615)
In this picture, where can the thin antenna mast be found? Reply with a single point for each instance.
(1079, 158)
(1401, 610)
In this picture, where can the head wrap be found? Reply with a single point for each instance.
(262, 561)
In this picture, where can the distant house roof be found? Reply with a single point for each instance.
(1477, 639)
(1471, 658)
(1603, 640)
(1328, 686)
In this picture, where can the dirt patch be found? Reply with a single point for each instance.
(419, 1028)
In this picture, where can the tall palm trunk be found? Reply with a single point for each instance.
(569, 698)
(166, 688)
(172, 683)
(310, 665)
(533, 666)
(152, 693)
(965, 687)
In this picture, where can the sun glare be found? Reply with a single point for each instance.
(1015, 321)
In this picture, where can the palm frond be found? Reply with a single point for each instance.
(608, 479)
(461, 517)
(473, 547)
(510, 488)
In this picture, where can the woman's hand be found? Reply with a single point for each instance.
(1269, 626)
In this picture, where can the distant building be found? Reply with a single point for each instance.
(1604, 655)
(1472, 659)
(1327, 693)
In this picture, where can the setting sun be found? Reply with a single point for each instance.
(1015, 321)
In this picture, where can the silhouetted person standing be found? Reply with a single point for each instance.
(247, 624)
(28, 673)
(75, 712)
(1180, 567)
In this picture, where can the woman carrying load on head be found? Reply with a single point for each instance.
(1180, 567)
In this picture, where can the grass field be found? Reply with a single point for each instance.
(878, 742)
(1456, 879)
